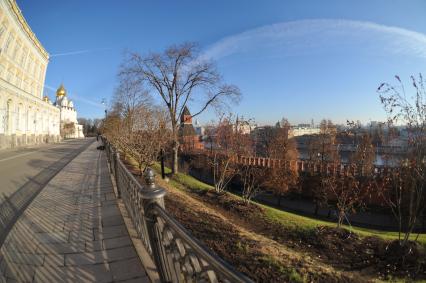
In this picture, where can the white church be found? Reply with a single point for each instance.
(68, 115)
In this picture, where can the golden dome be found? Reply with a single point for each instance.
(61, 91)
(46, 98)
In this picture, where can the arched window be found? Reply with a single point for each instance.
(2, 116)
(21, 117)
(2, 30)
(8, 118)
(17, 118)
(8, 42)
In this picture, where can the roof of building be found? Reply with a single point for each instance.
(61, 91)
(186, 111)
(27, 29)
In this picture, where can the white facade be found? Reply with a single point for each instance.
(301, 131)
(68, 114)
(25, 116)
(199, 130)
(244, 126)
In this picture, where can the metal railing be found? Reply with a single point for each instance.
(177, 255)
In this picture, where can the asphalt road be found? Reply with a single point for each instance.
(19, 167)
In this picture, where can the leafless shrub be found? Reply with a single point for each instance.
(253, 178)
(347, 194)
(407, 194)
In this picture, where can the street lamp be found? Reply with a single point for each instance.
(104, 103)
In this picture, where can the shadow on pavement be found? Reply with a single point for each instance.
(12, 206)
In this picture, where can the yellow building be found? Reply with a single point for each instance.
(26, 117)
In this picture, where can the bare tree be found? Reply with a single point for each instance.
(114, 129)
(179, 75)
(110, 126)
(150, 136)
(90, 126)
(253, 178)
(407, 197)
(283, 148)
(364, 156)
(349, 191)
(323, 148)
(67, 130)
(346, 193)
(86, 123)
(128, 97)
(229, 142)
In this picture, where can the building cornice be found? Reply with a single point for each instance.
(26, 28)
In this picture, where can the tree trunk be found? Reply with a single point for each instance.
(175, 146)
(163, 174)
(341, 217)
(175, 158)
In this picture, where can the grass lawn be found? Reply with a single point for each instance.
(287, 219)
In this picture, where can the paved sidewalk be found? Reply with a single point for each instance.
(73, 231)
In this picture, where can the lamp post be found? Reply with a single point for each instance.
(104, 103)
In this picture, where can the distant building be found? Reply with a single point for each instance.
(305, 126)
(374, 124)
(303, 129)
(199, 130)
(188, 137)
(68, 114)
(243, 126)
(262, 136)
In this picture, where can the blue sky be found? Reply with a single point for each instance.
(294, 59)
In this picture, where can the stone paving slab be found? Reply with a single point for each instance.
(73, 231)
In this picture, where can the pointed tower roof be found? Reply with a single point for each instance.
(186, 111)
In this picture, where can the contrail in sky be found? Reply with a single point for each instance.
(78, 52)
(310, 35)
(78, 98)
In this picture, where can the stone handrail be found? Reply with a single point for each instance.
(178, 256)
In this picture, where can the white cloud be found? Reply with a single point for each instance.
(87, 101)
(290, 38)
